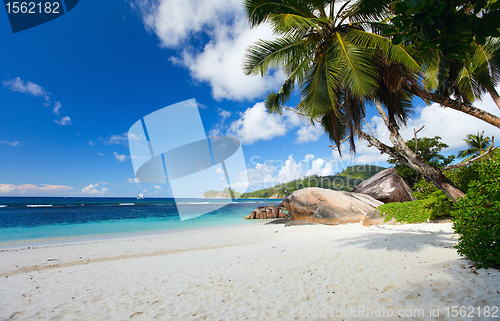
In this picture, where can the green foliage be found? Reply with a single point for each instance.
(344, 181)
(451, 26)
(477, 217)
(226, 193)
(435, 200)
(429, 149)
(407, 212)
(210, 194)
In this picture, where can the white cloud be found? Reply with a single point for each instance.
(219, 127)
(65, 121)
(256, 124)
(28, 88)
(174, 25)
(321, 168)
(219, 170)
(121, 139)
(31, 189)
(91, 190)
(290, 171)
(120, 157)
(220, 60)
(32, 89)
(7, 188)
(309, 133)
(12, 143)
(133, 180)
(451, 125)
(262, 176)
(157, 187)
(56, 107)
(134, 137)
(100, 154)
(275, 172)
(91, 143)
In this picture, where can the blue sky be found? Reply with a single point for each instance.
(71, 88)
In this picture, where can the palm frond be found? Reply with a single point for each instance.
(357, 65)
(392, 92)
(394, 53)
(258, 11)
(275, 101)
(266, 54)
(315, 95)
(334, 126)
(289, 22)
(374, 10)
(467, 84)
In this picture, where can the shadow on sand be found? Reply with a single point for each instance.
(409, 240)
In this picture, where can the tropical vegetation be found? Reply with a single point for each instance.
(343, 181)
(477, 216)
(477, 144)
(343, 56)
(339, 67)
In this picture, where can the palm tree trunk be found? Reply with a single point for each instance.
(494, 94)
(406, 156)
(457, 105)
(431, 173)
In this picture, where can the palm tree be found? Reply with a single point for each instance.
(477, 144)
(322, 51)
(339, 65)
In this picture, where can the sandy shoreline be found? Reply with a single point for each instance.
(262, 272)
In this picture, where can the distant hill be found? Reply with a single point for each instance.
(226, 193)
(344, 181)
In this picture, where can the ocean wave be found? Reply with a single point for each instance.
(126, 204)
(43, 205)
(3, 205)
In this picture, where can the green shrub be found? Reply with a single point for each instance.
(477, 217)
(438, 203)
(407, 212)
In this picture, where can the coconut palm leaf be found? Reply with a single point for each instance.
(275, 101)
(270, 54)
(283, 23)
(258, 11)
(359, 69)
(477, 144)
(394, 53)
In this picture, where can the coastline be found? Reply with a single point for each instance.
(257, 271)
(88, 217)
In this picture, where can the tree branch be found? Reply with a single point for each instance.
(415, 132)
(457, 105)
(341, 142)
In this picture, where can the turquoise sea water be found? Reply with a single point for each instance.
(24, 219)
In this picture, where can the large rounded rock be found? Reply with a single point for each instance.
(328, 206)
(386, 186)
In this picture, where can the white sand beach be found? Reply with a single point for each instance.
(261, 272)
